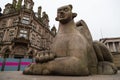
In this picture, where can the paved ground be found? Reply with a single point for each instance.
(17, 75)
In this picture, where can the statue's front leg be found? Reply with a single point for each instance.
(33, 68)
(39, 67)
(44, 57)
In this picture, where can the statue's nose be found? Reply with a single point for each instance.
(61, 12)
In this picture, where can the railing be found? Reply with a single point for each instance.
(12, 64)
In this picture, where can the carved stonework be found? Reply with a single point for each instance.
(8, 8)
(20, 50)
(14, 3)
(44, 15)
(28, 4)
(53, 30)
(45, 19)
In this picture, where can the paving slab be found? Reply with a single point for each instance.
(17, 75)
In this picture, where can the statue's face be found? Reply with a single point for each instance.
(64, 14)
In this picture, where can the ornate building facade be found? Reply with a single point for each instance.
(113, 44)
(23, 33)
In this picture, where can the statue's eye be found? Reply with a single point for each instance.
(59, 10)
(66, 9)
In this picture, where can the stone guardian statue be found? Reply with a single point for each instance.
(73, 52)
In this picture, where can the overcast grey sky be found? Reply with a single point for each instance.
(101, 16)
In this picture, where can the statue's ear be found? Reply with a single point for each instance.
(70, 6)
(74, 15)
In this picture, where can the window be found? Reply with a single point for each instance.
(39, 30)
(39, 41)
(117, 47)
(33, 26)
(6, 54)
(25, 20)
(23, 33)
(15, 21)
(33, 39)
(4, 24)
(11, 38)
(11, 33)
(1, 36)
(33, 35)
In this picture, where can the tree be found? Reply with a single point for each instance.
(19, 5)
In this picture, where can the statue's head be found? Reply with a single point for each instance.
(64, 14)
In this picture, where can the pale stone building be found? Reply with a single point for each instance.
(113, 44)
(23, 32)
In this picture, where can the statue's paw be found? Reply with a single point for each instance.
(106, 68)
(34, 69)
(44, 57)
(29, 69)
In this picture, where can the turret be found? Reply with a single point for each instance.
(53, 30)
(28, 4)
(39, 11)
(8, 8)
(45, 19)
(14, 3)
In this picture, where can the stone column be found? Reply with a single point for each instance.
(118, 46)
(5, 35)
(107, 44)
(114, 48)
